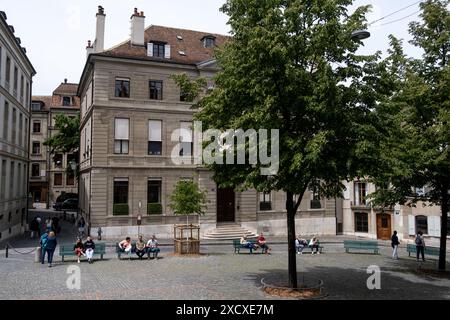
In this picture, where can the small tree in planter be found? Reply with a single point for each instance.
(187, 199)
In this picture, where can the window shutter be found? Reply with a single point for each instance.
(150, 49)
(186, 132)
(154, 130)
(434, 226)
(167, 51)
(411, 225)
(122, 129)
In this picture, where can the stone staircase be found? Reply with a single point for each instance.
(228, 232)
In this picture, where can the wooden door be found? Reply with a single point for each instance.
(384, 230)
(225, 205)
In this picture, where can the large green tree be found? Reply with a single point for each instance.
(414, 151)
(293, 66)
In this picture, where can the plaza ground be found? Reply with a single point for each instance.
(217, 274)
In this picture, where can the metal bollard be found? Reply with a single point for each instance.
(6, 251)
(37, 255)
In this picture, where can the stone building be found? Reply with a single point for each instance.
(130, 111)
(49, 176)
(16, 74)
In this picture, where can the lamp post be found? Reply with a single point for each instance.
(360, 35)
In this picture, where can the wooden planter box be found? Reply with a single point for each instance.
(186, 239)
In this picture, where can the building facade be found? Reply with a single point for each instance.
(135, 122)
(49, 174)
(16, 74)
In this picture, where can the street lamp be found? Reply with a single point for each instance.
(139, 218)
(360, 35)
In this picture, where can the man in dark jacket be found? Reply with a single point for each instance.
(89, 247)
(420, 245)
(395, 243)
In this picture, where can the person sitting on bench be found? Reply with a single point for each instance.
(140, 247)
(152, 247)
(247, 244)
(125, 246)
(300, 244)
(314, 244)
(262, 244)
(89, 247)
(78, 248)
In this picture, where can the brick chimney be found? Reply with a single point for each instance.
(99, 43)
(137, 28)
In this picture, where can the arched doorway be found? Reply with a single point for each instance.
(384, 229)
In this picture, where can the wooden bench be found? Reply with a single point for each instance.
(67, 250)
(120, 252)
(429, 251)
(361, 245)
(238, 246)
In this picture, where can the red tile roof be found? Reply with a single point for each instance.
(191, 44)
(66, 89)
(46, 100)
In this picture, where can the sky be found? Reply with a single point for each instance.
(55, 32)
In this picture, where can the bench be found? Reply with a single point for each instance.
(361, 245)
(309, 247)
(429, 251)
(67, 250)
(120, 252)
(237, 246)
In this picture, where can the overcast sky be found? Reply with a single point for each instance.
(55, 32)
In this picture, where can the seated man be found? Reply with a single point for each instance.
(89, 247)
(300, 244)
(262, 244)
(125, 246)
(247, 244)
(152, 247)
(314, 244)
(78, 248)
(140, 247)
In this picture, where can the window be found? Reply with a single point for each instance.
(58, 160)
(9, 216)
(36, 147)
(35, 170)
(71, 158)
(122, 88)
(265, 201)
(158, 50)
(154, 137)
(36, 106)
(422, 224)
(58, 177)
(70, 179)
(20, 129)
(121, 136)
(5, 121)
(315, 199)
(120, 191)
(22, 88)
(361, 222)
(7, 73)
(186, 139)
(16, 81)
(27, 98)
(156, 90)
(36, 127)
(360, 193)
(154, 191)
(66, 101)
(3, 181)
(14, 126)
(209, 42)
(12, 180)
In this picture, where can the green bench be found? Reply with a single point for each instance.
(237, 247)
(120, 252)
(429, 251)
(67, 250)
(361, 245)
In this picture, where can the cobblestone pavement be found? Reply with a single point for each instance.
(219, 274)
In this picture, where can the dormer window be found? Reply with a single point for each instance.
(158, 50)
(66, 101)
(209, 41)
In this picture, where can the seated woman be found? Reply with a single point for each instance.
(247, 244)
(125, 246)
(78, 248)
(300, 244)
(314, 244)
(262, 244)
(89, 247)
(152, 247)
(140, 247)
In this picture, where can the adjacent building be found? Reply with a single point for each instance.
(51, 173)
(130, 112)
(16, 72)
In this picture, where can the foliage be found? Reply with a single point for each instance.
(154, 208)
(190, 89)
(120, 209)
(67, 139)
(187, 199)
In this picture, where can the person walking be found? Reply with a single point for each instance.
(50, 247)
(49, 225)
(43, 243)
(89, 247)
(81, 225)
(395, 243)
(420, 245)
(34, 228)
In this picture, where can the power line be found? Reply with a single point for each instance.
(393, 21)
(395, 12)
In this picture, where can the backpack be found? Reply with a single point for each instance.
(419, 241)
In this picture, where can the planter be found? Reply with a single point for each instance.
(120, 209)
(154, 208)
(308, 288)
(186, 239)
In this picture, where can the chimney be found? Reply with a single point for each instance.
(137, 28)
(89, 49)
(99, 43)
(65, 81)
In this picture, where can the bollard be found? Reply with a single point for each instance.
(6, 251)
(37, 255)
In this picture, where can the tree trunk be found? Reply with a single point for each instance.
(444, 219)
(291, 240)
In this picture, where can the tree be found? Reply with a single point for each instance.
(292, 66)
(190, 89)
(415, 147)
(187, 199)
